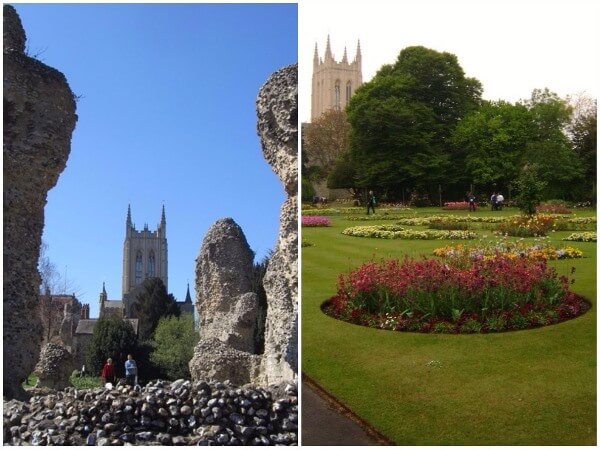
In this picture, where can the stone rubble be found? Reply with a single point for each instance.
(161, 413)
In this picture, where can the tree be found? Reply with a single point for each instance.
(549, 148)
(529, 189)
(326, 139)
(490, 142)
(112, 338)
(53, 295)
(402, 119)
(152, 302)
(173, 345)
(583, 135)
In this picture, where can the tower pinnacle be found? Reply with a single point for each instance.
(328, 54)
(129, 215)
(316, 56)
(345, 58)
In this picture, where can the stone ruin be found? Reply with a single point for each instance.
(39, 118)
(227, 306)
(54, 367)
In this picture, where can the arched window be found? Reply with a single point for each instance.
(338, 96)
(151, 264)
(138, 268)
(348, 92)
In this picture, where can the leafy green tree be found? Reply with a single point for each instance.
(491, 140)
(152, 302)
(112, 338)
(173, 345)
(549, 148)
(583, 133)
(308, 191)
(529, 189)
(402, 119)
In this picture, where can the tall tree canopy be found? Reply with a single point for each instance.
(112, 338)
(151, 303)
(583, 133)
(402, 119)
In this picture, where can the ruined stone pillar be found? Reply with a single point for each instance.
(39, 118)
(277, 108)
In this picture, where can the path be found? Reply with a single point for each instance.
(326, 423)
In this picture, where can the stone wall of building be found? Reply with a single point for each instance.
(39, 118)
(277, 108)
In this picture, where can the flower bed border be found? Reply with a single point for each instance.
(586, 305)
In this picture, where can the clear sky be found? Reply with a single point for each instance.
(511, 46)
(167, 115)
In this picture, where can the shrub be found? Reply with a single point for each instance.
(173, 345)
(529, 188)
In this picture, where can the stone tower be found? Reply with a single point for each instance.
(333, 83)
(144, 254)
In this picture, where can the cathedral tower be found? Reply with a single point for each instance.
(144, 253)
(333, 83)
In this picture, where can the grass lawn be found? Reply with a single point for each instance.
(531, 387)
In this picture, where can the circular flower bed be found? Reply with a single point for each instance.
(581, 237)
(316, 221)
(397, 232)
(423, 221)
(428, 295)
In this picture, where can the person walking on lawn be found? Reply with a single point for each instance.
(370, 202)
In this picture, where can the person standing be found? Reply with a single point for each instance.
(471, 199)
(371, 202)
(499, 201)
(493, 200)
(108, 372)
(131, 371)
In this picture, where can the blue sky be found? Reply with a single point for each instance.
(167, 114)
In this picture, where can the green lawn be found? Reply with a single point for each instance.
(532, 387)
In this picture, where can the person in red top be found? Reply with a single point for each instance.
(108, 372)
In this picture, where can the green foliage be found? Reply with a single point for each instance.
(173, 345)
(491, 141)
(403, 117)
(86, 382)
(343, 175)
(258, 274)
(583, 131)
(152, 302)
(529, 189)
(308, 192)
(112, 338)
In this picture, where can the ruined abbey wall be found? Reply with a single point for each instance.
(39, 118)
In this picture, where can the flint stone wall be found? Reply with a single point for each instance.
(226, 303)
(39, 118)
(277, 108)
(54, 367)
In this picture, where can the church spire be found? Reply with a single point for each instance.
(129, 215)
(358, 53)
(163, 218)
(316, 56)
(103, 288)
(328, 54)
(188, 298)
(345, 58)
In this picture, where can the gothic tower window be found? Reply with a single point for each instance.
(348, 92)
(151, 265)
(138, 268)
(337, 102)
